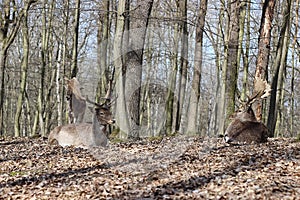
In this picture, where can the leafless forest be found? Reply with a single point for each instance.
(177, 71)
(176, 66)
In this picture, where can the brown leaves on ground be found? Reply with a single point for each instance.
(173, 168)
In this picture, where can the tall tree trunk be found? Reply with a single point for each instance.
(102, 40)
(3, 56)
(229, 70)
(182, 5)
(232, 57)
(172, 84)
(134, 61)
(246, 56)
(41, 99)
(279, 66)
(24, 68)
(264, 48)
(121, 113)
(57, 82)
(9, 26)
(195, 93)
(64, 57)
(74, 67)
(292, 100)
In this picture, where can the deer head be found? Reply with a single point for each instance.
(102, 112)
(244, 126)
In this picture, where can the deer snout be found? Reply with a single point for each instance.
(227, 139)
(112, 121)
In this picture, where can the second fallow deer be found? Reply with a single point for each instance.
(244, 126)
(76, 102)
(85, 135)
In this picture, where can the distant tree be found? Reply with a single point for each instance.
(102, 48)
(10, 20)
(74, 66)
(24, 68)
(121, 108)
(195, 93)
(182, 7)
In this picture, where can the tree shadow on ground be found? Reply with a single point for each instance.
(68, 175)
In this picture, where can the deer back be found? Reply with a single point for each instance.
(244, 126)
(246, 131)
(78, 135)
(84, 135)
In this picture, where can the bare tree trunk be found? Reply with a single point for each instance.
(292, 100)
(134, 61)
(121, 113)
(102, 40)
(246, 56)
(221, 114)
(172, 85)
(280, 64)
(195, 93)
(9, 26)
(74, 66)
(58, 89)
(64, 57)
(182, 5)
(24, 68)
(264, 48)
(3, 55)
(232, 57)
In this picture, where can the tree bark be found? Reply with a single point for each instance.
(102, 40)
(264, 48)
(280, 64)
(246, 56)
(232, 57)
(9, 26)
(292, 100)
(121, 110)
(172, 84)
(74, 66)
(134, 61)
(182, 5)
(24, 68)
(195, 93)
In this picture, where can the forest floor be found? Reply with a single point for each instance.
(172, 168)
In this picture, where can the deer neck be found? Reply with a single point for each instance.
(98, 132)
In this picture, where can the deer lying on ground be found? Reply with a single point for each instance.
(244, 126)
(85, 135)
(76, 103)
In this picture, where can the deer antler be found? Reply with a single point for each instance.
(94, 103)
(261, 90)
(107, 102)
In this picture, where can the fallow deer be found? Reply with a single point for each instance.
(244, 126)
(76, 102)
(85, 135)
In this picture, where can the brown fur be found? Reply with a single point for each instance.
(84, 134)
(245, 128)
